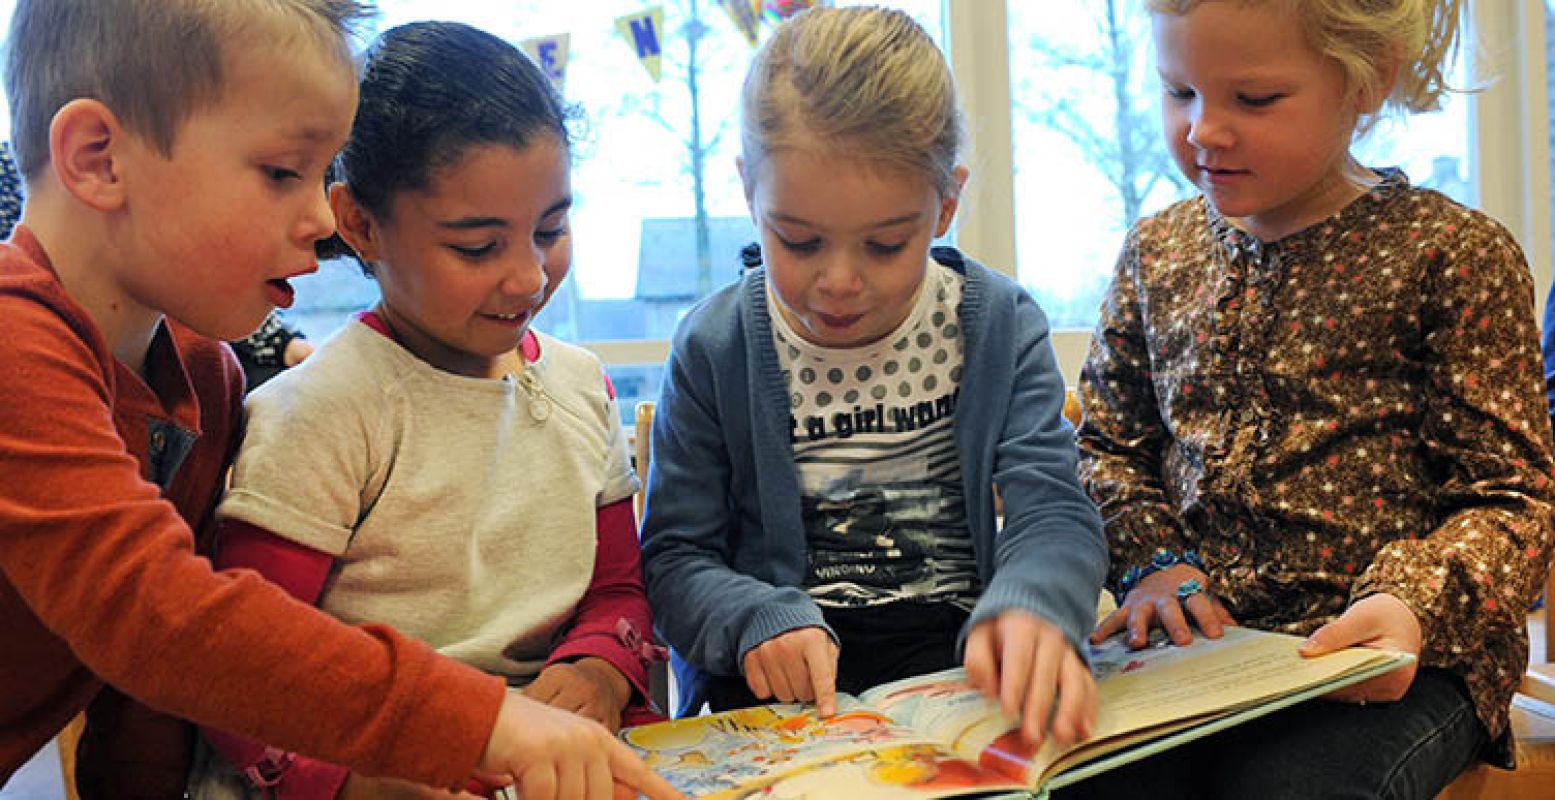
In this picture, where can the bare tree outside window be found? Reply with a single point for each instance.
(1090, 158)
(1122, 137)
(698, 48)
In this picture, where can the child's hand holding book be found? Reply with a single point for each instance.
(1173, 594)
(1381, 622)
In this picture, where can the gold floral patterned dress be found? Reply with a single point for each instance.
(1356, 408)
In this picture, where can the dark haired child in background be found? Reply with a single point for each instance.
(274, 347)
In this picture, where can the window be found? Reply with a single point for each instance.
(6, 9)
(1029, 107)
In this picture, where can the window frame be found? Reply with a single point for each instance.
(1508, 148)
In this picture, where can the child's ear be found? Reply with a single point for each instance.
(354, 224)
(745, 180)
(748, 185)
(85, 141)
(951, 201)
(1387, 78)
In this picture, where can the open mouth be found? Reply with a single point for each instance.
(281, 294)
(511, 319)
(839, 320)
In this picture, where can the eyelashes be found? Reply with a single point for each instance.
(474, 252)
(810, 246)
(1249, 100)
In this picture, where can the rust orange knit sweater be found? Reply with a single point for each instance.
(104, 479)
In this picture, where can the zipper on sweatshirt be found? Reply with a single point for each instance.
(534, 391)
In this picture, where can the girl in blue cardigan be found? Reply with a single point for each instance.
(832, 426)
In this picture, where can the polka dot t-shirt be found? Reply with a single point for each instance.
(871, 427)
(1351, 410)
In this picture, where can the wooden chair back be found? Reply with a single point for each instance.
(661, 685)
(641, 442)
(67, 741)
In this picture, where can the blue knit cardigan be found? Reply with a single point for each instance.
(724, 550)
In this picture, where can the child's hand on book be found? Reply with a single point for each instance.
(553, 754)
(796, 665)
(1380, 621)
(589, 687)
(1028, 665)
(1167, 598)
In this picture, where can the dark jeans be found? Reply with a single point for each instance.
(879, 645)
(1409, 749)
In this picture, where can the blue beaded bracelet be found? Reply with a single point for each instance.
(1160, 560)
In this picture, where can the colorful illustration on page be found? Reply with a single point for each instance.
(904, 771)
(704, 756)
(947, 708)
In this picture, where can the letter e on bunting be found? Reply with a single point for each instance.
(550, 55)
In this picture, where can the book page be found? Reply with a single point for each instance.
(1141, 694)
(786, 751)
(944, 707)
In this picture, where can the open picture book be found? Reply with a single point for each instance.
(934, 736)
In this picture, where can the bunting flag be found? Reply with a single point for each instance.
(641, 31)
(776, 11)
(746, 16)
(550, 54)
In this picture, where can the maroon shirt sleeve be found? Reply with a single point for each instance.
(301, 571)
(613, 622)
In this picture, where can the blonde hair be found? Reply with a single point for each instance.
(1361, 36)
(153, 62)
(862, 81)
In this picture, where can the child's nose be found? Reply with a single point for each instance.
(318, 221)
(526, 274)
(842, 274)
(1207, 130)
